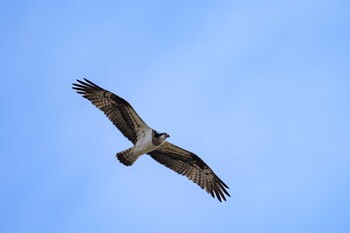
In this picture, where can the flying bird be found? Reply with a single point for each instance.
(148, 141)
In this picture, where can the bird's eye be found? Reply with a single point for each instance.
(156, 134)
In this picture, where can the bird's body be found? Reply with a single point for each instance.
(148, 141)
(144, 145)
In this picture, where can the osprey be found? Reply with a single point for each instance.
(148, 141)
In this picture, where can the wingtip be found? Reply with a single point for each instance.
(73, 84)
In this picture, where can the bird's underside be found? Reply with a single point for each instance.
(148, 141)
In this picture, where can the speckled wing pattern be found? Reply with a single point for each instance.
(188, 164)
(118, 110)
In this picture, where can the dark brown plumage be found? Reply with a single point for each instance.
(125, 118)
(118, 110)
(188, 164)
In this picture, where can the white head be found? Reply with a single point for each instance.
(159, 138)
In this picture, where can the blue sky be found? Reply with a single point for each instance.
(258, 89)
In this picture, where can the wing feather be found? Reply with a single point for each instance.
(118, 110)
(194, 168)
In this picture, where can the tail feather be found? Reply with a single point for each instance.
(127, 158)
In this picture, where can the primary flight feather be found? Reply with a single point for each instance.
(148, 141)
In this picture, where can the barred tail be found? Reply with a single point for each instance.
(127, 158)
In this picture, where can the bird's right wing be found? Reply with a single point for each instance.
(188, 164)
(118, 110)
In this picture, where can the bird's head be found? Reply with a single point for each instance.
(160, 137)
(163, 136)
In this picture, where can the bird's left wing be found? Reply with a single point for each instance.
(188, 164)
(118, 110)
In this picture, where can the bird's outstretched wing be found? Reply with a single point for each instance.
(188, 164)
(118, 110)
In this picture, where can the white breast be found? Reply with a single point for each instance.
(145, 145)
